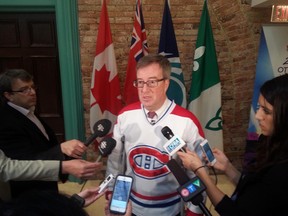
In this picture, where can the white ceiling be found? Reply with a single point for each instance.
(267, 3)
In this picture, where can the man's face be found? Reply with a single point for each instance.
(23, 94)
(152, 97)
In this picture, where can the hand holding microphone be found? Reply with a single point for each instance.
(105, 148)
(75, 149)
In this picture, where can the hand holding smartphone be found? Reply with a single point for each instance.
(121, 193)
(208, 152)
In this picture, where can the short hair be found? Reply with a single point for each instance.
(161, 60)
(8, 77)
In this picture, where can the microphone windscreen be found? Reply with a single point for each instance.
(167, 132)
(106, 146)
(102, 127)
(178, 172)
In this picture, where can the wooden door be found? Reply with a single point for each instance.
(29, 41)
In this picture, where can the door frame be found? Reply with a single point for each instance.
(66, 13)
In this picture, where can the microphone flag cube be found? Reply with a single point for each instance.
(173, 145)
(191, 189)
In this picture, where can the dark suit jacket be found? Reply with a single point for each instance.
(20, 138)
(260, 194)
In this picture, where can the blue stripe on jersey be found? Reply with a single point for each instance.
(159, 205)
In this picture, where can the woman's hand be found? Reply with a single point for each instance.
(190, 159)
(91, 195)
(222, 162)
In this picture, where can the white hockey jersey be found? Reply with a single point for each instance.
(140, 150)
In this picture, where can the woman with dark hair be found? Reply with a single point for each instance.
(262, 189)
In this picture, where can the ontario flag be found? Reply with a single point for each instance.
(138, 49)
(168, 47)
(205, 91)
(105, 97)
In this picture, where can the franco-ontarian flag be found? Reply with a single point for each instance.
(205, 91)
(168, 47)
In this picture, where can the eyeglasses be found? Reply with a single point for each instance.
(152, 83)
(25, 90)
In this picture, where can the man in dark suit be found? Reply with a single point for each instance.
(25, 136)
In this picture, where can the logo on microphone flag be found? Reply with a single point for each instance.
(205, 91)
(168, 47)
(105, 97)
(191, 189)
(138, 49)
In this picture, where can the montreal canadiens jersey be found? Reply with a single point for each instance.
(139, 153)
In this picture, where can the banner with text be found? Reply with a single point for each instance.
(272, 62)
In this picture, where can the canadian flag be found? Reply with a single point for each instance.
(105, 97)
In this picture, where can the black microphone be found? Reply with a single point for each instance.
(105, 147)
(101, 128)
(174, 144)
(190, 189)
(167, 132)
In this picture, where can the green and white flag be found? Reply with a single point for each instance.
(205, 91)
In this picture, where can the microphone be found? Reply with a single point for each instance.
(167, 132)
(105, 147)
(174, 144)
(100, 128)
(190, 189)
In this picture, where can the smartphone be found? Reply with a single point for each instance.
(208, 152)
(121, 193)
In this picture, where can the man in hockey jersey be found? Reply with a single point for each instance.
(140, 141)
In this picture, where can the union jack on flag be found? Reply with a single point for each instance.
(138, 49)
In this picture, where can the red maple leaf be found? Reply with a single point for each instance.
(106, 94)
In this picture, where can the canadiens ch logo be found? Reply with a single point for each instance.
(148, 162)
